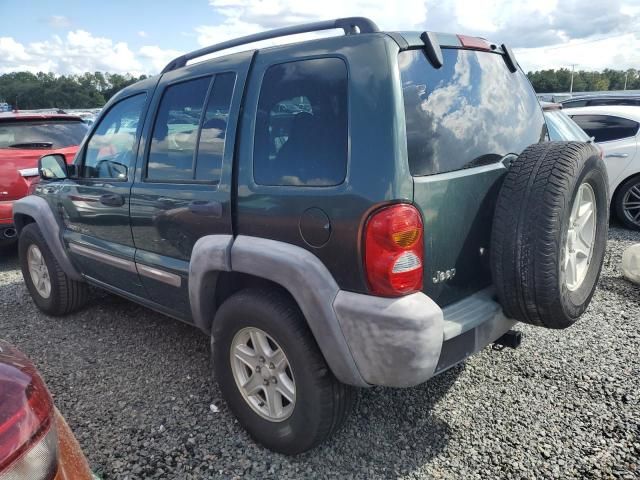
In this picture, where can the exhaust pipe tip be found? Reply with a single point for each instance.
(9, 233)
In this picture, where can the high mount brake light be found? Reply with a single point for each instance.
(394, 251)
(28, 441)
(475, 43)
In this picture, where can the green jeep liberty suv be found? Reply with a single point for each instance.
(363, 209)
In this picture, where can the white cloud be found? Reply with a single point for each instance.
(81, 52)
(59, 21)
(142, 33)
(244, 17)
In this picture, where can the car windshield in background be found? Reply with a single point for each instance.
(561, 127)
(472, 111)
(42, 134)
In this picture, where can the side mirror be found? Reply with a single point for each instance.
(53, 167)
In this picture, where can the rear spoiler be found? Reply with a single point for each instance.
(433, 42)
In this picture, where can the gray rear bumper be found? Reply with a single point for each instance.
(400, 342)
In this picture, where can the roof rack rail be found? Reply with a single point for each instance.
(350, 25)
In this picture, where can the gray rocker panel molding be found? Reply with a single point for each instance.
(38, 209)
(313, 288)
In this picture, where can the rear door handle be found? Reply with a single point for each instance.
(112, 200)
(616, 155)
(209, 209)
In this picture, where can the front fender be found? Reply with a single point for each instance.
(38, 209)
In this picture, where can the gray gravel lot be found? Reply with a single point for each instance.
(135, 388)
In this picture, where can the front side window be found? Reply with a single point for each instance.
(472, 111)
(302, 124)
(606, 128)
(111, 152)
(562, 128)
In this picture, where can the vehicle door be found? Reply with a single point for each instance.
(95, 203)
(182, 190)
(618, 138)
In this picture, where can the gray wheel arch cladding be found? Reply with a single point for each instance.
(300, 272)
(38, 209)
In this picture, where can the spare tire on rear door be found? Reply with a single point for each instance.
(550, 232)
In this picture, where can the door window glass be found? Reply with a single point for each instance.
(214, 129)
(301, 124)
(605, 128)
(175, 133)
(111, 150)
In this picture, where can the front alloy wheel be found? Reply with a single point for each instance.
(38, 271)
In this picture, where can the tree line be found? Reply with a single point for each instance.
(555, 81)
(25, 90)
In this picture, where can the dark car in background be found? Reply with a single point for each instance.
(602, 99)
(24, 138)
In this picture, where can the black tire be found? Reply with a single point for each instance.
(322, 403)
(530, 230)
(630, 187)
(67, 295)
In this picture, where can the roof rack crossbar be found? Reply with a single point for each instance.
(350, 25)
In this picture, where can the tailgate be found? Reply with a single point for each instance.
(457, 209)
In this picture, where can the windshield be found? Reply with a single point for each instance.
(561, 127)
(472, 111)
(42, 134)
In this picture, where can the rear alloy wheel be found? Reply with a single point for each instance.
(263, 374)
(627, 203)
(272, 374)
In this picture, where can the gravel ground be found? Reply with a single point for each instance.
(134, 386)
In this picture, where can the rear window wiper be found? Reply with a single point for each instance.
(32, 145)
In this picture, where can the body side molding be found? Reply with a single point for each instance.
(38, 209)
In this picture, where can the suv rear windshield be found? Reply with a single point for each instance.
(42, 133)
(472, 111)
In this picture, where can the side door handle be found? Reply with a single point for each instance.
(112, 200)
(616, 155)
(208, 209)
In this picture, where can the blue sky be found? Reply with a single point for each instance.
(140, 36)
(166, 24)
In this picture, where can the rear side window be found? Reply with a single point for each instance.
(42, 134)
(472, 111)
(605, 128)
(301, 124)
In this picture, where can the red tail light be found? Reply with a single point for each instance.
(28, 442)
(394, 251)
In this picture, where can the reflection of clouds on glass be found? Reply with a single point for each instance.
(466, 112)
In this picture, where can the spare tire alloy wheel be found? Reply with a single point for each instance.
(550, 232)
(263, 374)
(38, 271)
(578, 250)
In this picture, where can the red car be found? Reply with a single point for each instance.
(35, 441)
(24, 138)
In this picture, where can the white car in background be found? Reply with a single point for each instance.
(616, 130)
